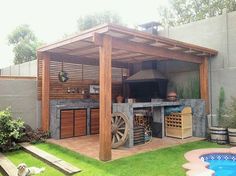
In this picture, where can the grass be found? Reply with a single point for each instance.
(161, 162)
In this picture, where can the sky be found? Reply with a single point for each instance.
(50, 20)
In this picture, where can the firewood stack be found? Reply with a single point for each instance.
(142, 126)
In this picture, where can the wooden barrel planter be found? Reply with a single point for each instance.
(232, 136)
(219, 135)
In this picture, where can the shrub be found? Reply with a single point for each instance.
(221, 111)
(10, 130)
(231, 114)
(33, 136)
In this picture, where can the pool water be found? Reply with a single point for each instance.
(222, 164)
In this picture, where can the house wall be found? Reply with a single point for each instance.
(218, 33)
(21, 96)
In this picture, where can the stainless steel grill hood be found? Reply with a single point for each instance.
(149, 73)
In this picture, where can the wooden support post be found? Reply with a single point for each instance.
(105, 52)
(204, 82)
(45, 91)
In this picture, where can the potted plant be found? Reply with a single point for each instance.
(119, 99)
(219, 133)
(231, 121)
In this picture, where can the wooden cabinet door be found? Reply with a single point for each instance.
(67, 121)
(94, 121)
(80, 122)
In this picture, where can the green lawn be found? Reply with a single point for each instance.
(163, 162)
(18, 157)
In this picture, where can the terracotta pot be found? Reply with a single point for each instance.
(119, 99)
(172, 96)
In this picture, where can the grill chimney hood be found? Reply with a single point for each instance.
(148, 73)
(150, 27)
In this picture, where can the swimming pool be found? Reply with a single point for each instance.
(224, 164)
(211, 162)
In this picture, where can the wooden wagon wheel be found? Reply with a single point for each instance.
(119, 129)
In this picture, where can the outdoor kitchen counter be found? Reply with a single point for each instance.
(56, 106)
(153, 104)
(158, 114)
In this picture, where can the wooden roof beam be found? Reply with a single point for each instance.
(126, 55)
(148, 50)
(130, 33)
(202, 54)
(144, 35)
(80, 49)
(116, 52)
(93, 50)
(138, 59)
(176, 48)
(82, 36)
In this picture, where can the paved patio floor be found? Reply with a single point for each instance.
(89, 145)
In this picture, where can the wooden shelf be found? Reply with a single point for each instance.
(179, 125)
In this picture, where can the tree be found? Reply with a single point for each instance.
(186, 11)
(24, 44)
(89, 21)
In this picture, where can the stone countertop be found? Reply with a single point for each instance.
(74, 104)
(93, 104)
(148, 104)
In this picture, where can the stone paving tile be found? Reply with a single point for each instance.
(89, 145)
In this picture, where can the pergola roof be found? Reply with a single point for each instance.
(128, 46)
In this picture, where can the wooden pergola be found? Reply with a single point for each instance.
(111, 45)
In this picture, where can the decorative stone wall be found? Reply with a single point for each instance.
(198, 109)
(199, 116)
(57, 105)
(128, 110)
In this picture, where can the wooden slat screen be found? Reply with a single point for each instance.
(90, 72)
(80, 77)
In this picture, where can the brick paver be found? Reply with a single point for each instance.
(89, 145)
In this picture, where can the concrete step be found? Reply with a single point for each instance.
(7, 166)
(61, 165)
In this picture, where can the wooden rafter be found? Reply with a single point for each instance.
(83, 60)
(131, 35)
(148, 50)
(160, 39)
(82, 36)
(126, 55)
(116, 52)
(80, 49)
